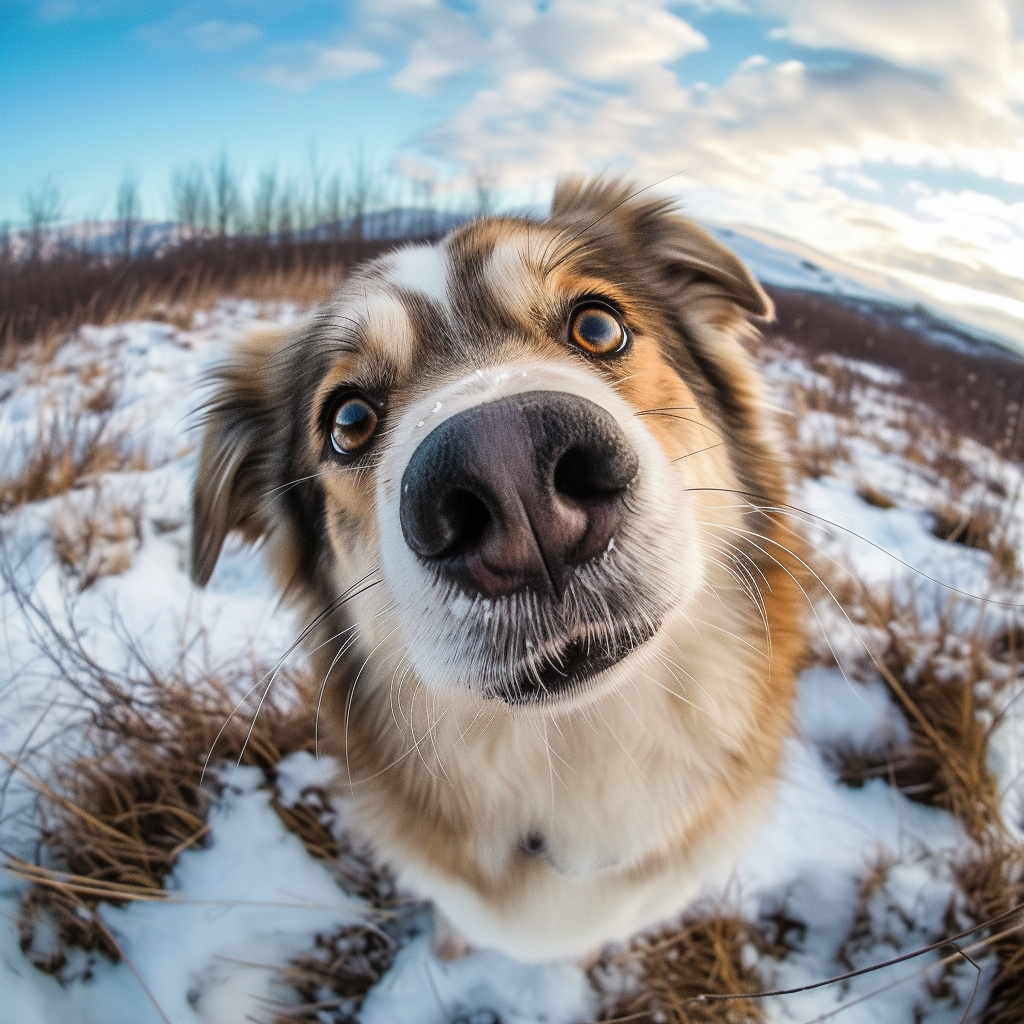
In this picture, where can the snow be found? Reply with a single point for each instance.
(785, 262)
(251, 899)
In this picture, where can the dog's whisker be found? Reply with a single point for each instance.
(664, 658)
(351, 696)
(541, 569)
(807, 598)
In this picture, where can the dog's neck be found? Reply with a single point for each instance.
(608, 784)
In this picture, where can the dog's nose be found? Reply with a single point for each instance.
(515, 493)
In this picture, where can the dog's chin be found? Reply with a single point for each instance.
(569, 669)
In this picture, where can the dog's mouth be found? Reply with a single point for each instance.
(569, 663)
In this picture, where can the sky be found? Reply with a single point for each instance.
(889, 133)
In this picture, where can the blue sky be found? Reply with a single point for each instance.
(889, 132)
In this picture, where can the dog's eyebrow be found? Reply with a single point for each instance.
(337, 331)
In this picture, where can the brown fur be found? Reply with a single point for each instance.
(413, 759)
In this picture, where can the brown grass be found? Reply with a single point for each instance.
(981, 528)
(114, 819)
(666, 972)
(69, 446)
(873, 496)
(98, 540)
(992, 880)
(976, 388)
(943, 680)
(41, 301)
(336, 974)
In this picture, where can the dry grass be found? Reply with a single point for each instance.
(114, 819)
(873, 496)
(69, 446)
(97, 540)
(666, 972)
(43, 300)
(335, 976)
(121, 815)
(943, 680)
(982, 528)
(992, 880)
(976, 389)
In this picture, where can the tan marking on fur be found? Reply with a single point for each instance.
(387, 331)
(643, 791)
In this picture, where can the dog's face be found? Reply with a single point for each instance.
(502, 450)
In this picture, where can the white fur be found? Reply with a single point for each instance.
(609, 780)
(670, 555)
(421, 269)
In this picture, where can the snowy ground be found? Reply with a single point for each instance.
(252, 897)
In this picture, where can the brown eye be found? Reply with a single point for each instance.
(354, 422)
(597, 330)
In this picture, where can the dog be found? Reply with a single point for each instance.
(524, 484)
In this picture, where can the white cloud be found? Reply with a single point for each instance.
(302, 67)
(594, 84)
(222, 35)
(611, 41)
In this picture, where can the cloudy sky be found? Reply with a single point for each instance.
(886, 132)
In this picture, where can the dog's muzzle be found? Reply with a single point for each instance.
(514, 494)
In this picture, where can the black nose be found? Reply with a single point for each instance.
(513, 494)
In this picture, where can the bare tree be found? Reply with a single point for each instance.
(316, 181)
(333, 210)
(424, 189)
(484, 184)
(190, 197)
(264, 203)
(226, 195)
(129, 210)
(42, 206)
(286, 211)
(360, 194)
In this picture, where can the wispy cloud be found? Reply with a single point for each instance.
(222, 35)
(306, 65)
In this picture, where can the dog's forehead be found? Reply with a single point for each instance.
(422, 295)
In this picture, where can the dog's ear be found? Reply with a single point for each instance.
(684, 251)
(687, 250)
(233, 477)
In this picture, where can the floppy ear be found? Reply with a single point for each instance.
(686, 252)
(687, 247)
(235, 464)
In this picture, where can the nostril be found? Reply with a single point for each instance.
(574, 475)
(581, 473)
(462, 519)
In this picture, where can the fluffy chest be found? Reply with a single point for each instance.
(604, 789)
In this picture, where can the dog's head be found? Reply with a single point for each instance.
(509, 443)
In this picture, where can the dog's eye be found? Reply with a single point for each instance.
(598, 331)
(353, 425)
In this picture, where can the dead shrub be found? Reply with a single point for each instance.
(336, 974)
(942, 681)
(114, 819)
(973, 528)
(667, 971)
(914, 772)
(982, 528)
(992, 881)
(41, 301)
(69, 446)
(98, 540)
(873, 496)
(975, 388)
